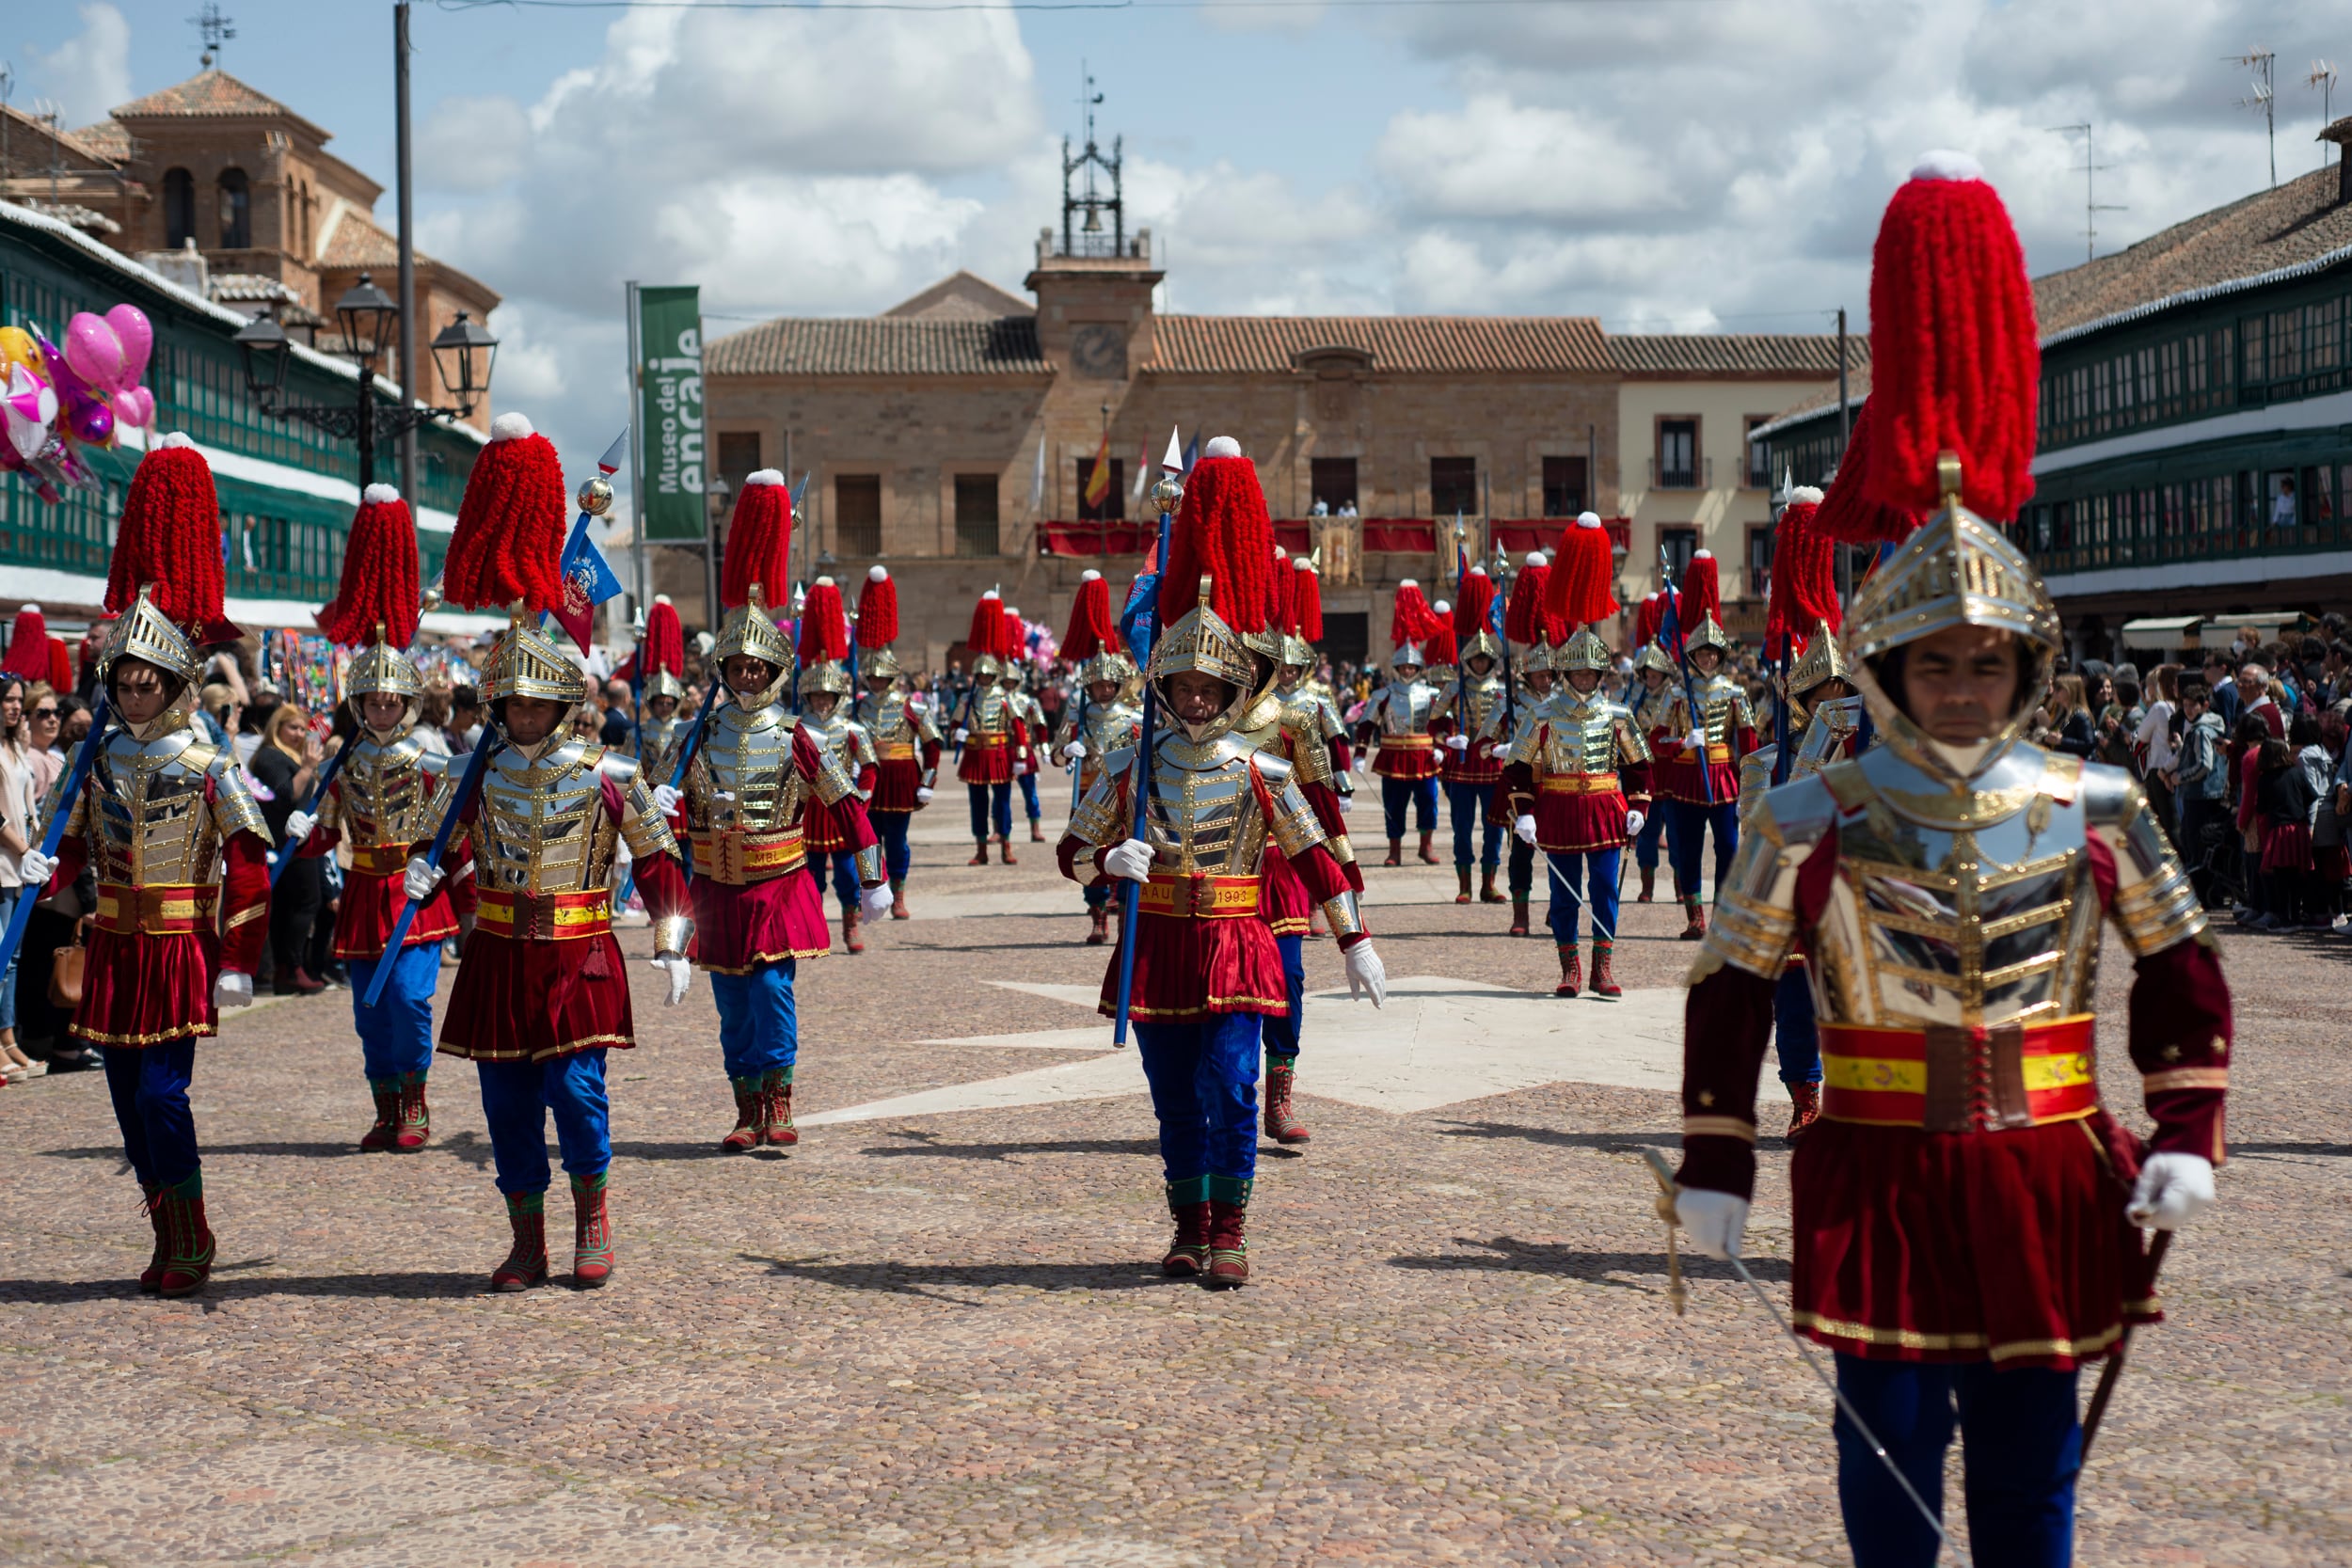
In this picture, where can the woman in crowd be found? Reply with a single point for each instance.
(2283, 802)
(19, 817)
(56, 724)
(2246, 745)
(283, 769)
(2155, 749)
(2066, 717)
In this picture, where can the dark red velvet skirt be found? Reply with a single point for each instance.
(1282, 897)
(372, 903)
(1468, 768)
(823, 828)
(1187, 968)
(530, 1001)
(1957, 1247)
(895, 783)
(1568, 823)
(737, 928)
(146, 990)
(1676, 778)
(1390, 762)
(985, 765)
(2287, 848)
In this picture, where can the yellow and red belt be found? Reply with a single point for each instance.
(544, 916)
(1955, 1080)
(738, 856)
(382, 859)
(986, 742)
(1407, 742)
(895, 751)
(1199, 897)
(1579, 783)
(160, 908)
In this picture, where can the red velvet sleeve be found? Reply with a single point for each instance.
(1072, 848)
(1343, 754)
(661, 882)
(1633, 778)
(848, 813)
(323, 839)
(1727, 1023)
(1325, 881)
(244, 902)
(1519, 781)
(73, 859)
(2181, 1032)
(930, 756)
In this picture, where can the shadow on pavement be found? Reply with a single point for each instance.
(264, 1150)
(702, 1149)
(912, 1279)
(927, 1144)
(1513, 1255)
(415, 1286)
(1614, 1143)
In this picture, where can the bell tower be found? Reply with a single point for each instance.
(1093, 283)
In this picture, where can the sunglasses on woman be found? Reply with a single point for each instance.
(44, 713)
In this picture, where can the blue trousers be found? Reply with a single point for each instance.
(1687, 822)
(1422, 793)
(150, 1090)
(1028, 795)
(1467, 803)
(845, 883)
(985, 795)
(891, 828)
(1203, 1074)
(396, 1035)
(1580, 878)
(2020, 1446)
(7, 976)
(759, 1026)
(516, 1097)
(1281, 1033)
(1645, 842)
(1795, 1039)
(1098, 895)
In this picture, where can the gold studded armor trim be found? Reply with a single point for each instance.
(146, 634)
(748, 628)
(145, 814)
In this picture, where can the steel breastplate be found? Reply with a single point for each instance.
(544, 827)
(1826, 735)
(1580, 735)
(745, 777)
(1655, 710)
(1406, 708)
(1108, 728)
(1203, 815)
(658, 743)
(386, 795)
(154, 825)
(1474, 703)
(1719, 709)
(991, 715)
(885, 721)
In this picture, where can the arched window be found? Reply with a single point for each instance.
(179, 208)
(236, 211)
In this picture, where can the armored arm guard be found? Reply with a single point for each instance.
(1292, 824)
(1100, 820)
(652, 847)
(1634, 758)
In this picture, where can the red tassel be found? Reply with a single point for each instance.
(1223, 532)
(379, 581)
(1473, 602)
(1648, 618)
(987, 635)
(1410, 620)
(170, 538)
(1016, 636)
(29, 646)
(877, 610)
(1091, 629)
(1523, 615)
(1955, 359)
(1306, 614)
(1852, 513)
(824, 624)
(1580, 574)
(1702, 594)
(1437, 647)
(1282, 584)
(759, 544)
(509, 540)
(665, 640)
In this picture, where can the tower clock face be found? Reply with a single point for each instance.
(1098, 350)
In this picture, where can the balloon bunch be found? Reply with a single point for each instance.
(55, 402)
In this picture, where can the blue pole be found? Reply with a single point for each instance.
(1138, 792)
(284, 855)
(476, 766)
(54, 835)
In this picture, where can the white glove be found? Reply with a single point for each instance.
(665, 800)
(1130, 859)
(1696, 740)
(1457, 743)
(232, 989)
(1525, 828)
(1634, 819)
(1716, 1221)
(2172, 1188)
(298, 826)
(1076, 750)
(922, 794)
(681, 974)
(963, 734)
(1362, 764)
(421, 878)
(1365, 975)
(875, 902)
(37, 868)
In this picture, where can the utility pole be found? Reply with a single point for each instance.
(2260, 60)
(1845, 436)
(410, 335)
(2090, 170)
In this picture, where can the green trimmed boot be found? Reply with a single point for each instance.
(416, 1119)
(152, 1276)
(776, 1095)
(1281, 1124)
(187, 1240)
(1229, 1250)
(1605, 983)
(592, 1232)
(751, 1116)
(1188, 1253)
(386, 1092)
(527, 1264)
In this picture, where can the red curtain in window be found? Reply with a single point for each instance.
(1400, 536)
(1296, 536)
(1086, 539)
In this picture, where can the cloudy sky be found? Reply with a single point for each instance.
(1664, 165)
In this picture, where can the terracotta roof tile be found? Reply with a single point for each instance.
(210, 92)
(107, 139)
(356, 242)
(880, 346)
(1398, 344)
(1742, 352)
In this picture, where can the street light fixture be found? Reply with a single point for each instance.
(367, 314)
(463, 353)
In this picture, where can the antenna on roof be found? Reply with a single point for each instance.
(2260, 97)
(2322, 76)
(214, 29)
(2089, 169)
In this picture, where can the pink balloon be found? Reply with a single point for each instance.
(137, 339)
(93, 424)
(135, 407)
(94, 352)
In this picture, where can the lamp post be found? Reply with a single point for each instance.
(368, 320)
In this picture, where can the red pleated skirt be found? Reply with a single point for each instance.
(143, 991)
(737, 928)
(895, 783)
(1568, 823)
(370, 907)
(985, 765)
(1190, 968)
(517, 1001)
(1284, 897)
(2287, 847)
(1678, 779)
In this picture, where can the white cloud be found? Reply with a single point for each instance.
(90, 72)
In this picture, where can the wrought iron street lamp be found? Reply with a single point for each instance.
(369, 321)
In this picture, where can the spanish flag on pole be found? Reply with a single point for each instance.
(1099, 477)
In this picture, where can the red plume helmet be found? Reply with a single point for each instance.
(1438, 648)
(1284, 589)
(665, 640)
(759, 543)
(1092, 631)
(1222, 531)
(877, 610)
(37, 656)
(1307, 604)
(380, 581)
(1648, 618)
(1702, 593)
(824, 624)
(1410, 620)
(1523, 620)
(1804, 586)
(1473, 603)
(170, 541)
(987, 635)
(509, 540)
(1850, 513)
(1581, 575)
(1016, 636)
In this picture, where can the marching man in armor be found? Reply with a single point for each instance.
(1103, 720)
(989, 733)
(662, 730)
(906, 741)
(833, 843)
(1397, 719)
(1707, 741)
(1205, 966)
(750, 792)
(541, 994)
(386, 802)
(1527, 625)
(1030, 718)
(1653, 704)
(1472, 768)
(1967, 1214)
(169, 824)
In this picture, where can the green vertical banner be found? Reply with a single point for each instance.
(670, 412)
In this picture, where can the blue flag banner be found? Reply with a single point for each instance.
(588, 581)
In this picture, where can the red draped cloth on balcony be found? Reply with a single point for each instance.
(1115, 537)
(1519, 535)
(1400, 536)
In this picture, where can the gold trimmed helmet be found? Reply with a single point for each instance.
(881, 662)
(1823, 659)
(1484, 643)
(1710, 634)
(146, 634)
(825, 675)
(748, 628)
(525, 663)
(1202, 643)
(380, 667)
(1297, 650)
(1115, 668)
(662, 683)
(1583, 651)
(1408, 653)
(1654, 657)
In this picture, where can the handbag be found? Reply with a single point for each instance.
(2326, 827)
(66, 970)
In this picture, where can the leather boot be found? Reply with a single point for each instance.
(898, 899)
(1037, 831)
(1004, 850)
(1571, 971)
(1188, 1253)
(1461, 876)
(751, 1116)
(416, 1119)
(1487, 892)
(1807, 1110)
(385, 1093)
(1519, 917)
(979, 856)
(1396, 853)
(592, 1232)
(1428, 855)
(1649, 884)
(1695, 914)
(1605, 985)
(526, 1261)
(152, 1276)
(776, 1093)
(1229, 1251)
(1281, 1074)
(1101, 932)
(187, 1240)
(849, 931)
